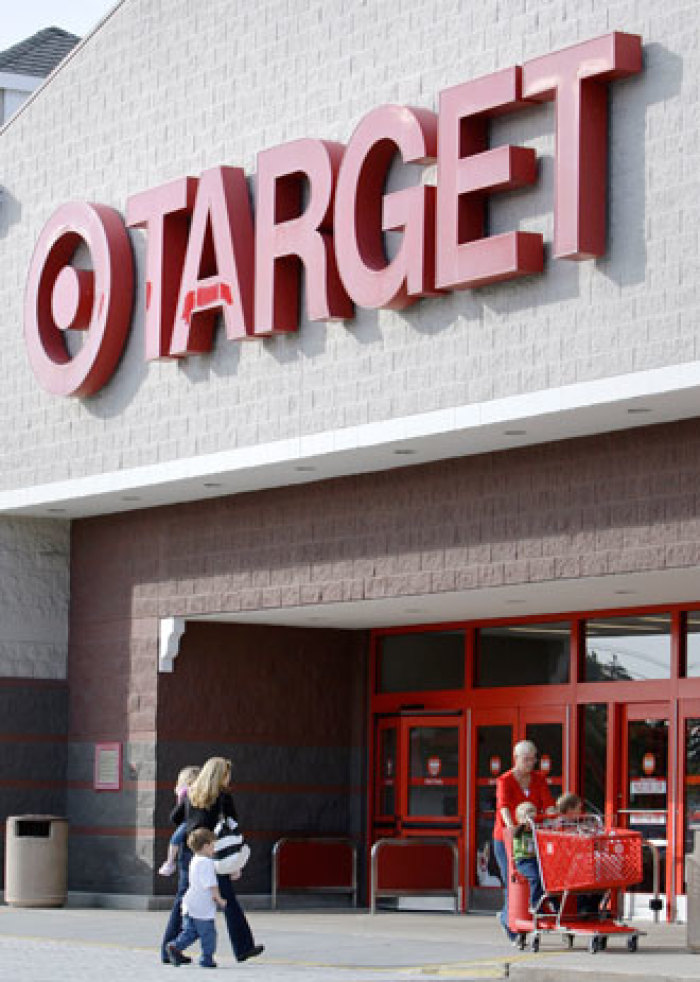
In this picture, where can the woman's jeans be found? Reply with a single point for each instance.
(174, 925)
(501, 857)
(238, 930)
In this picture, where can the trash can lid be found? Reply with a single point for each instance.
(36, 818)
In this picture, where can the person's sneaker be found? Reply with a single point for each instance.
(252, 953)
(175, 955)
(185, 959)
(167, 869)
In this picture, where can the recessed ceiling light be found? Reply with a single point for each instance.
(514, 600)
(413, 610)
(305, 469)
(515, 432)
(57, 511)
(404, 452)
(212, 484)
(638, 409)
(624, 593)
(130, 497)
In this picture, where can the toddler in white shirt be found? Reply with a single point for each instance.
(199, 903)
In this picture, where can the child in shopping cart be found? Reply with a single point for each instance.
(570, 808)
(524, 855)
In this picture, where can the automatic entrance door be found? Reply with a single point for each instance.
(494, 734)
(420, 777)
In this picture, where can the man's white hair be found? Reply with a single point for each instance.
(524, 747)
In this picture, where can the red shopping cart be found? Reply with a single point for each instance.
(580, 864)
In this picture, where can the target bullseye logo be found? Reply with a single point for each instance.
(61, 297)
(71, 298)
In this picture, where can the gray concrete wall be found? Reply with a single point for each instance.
(34, 592)
(169, 89)
(110, 849)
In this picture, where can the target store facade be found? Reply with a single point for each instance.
(351, 386)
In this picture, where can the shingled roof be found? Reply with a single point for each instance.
(39, 54)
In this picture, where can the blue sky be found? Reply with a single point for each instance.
(26, 17)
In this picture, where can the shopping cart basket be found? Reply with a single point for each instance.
(577, 859)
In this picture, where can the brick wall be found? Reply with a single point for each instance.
(628, 501)
(287, 706)
(168, 89)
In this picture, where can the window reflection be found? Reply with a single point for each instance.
(594, 755)
(523, 654)
(419, 661)
(692, 783)
(494, 744)
(628, 648)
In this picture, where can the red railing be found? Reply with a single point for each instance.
(414, 867)
(314, 865)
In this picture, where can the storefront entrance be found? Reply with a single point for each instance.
(494, 734)
(612, 702)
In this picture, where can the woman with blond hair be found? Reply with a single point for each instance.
(208, 799)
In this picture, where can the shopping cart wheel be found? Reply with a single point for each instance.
(570, 941)
(594, 944)
(536, 943)
(602, 943)
(522, 941)
(632, 943)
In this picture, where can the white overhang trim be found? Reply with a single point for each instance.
(581, 409)
(171, 630)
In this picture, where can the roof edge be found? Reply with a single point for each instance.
(61, 65)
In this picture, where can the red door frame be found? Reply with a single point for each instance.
(383, 725)
(460, 782)
(403, 824)
(636, 712)
(518, 718)
(687, 709)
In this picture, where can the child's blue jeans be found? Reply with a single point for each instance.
(530, 869)
(194, 928)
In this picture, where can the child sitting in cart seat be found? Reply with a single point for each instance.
(524, 855)
(569, 805)
(570, 808)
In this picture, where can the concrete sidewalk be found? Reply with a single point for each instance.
(324, 946)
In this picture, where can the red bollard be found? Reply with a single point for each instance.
(518, 893)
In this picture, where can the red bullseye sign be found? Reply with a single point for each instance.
(434, 766)
(61, 297)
